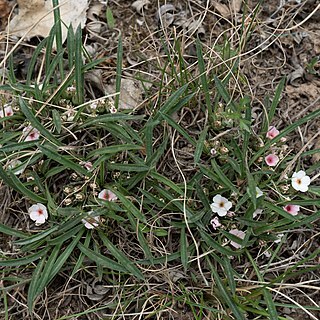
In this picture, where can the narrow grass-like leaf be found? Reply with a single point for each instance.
(128, 167)
(214, 244)
(274, 104)
(111, 117)
(224, 93)
(110, 18)
(118, 72)
(114, 149)
(272, 311)
(81, 256)
(20, 187)
(178, 128)
(71, 46)
(33, 284)
(36, 123)
(184, 249)
(56, 120)
(18, 146)
(130, 206)
(136, 226)
(200, 146)
(237, 312)
(171, 102)
(66, 235)
(223, 178)
(23, 261)
(34, 60)
(79, 77)
(44, 277)
(162, 179)
(65, 255)
(12, 232)
(54, 155)
(203, 76)
(99, 258)
(36, 237)
(121, 257)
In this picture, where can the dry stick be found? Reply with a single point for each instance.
(290, 165)
(185, 210)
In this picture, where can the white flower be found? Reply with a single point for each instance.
(107, 195)
(91, 222)
(38, 213)
(259, 193)
(238, 233)
(30, 133)
(13, 165)
(220, 205)
(6, 111)
(300, 181)
(279, 237)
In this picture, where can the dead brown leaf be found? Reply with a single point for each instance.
(5, 8)
(221, 8)
(35, 17)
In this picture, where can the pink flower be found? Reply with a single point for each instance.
(6, 111)
(238, 233)
(91, 221)
(107, 195)
(88, 165)
(215, 223)
(272, 132)
(271, 160)
(292, 209)
(30, 133)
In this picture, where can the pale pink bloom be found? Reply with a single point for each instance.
(215, 223)
(220, 205)
(88, 165)
(238, 233)
(300, 181)
(38, 213)
(30, 133)
(107, 195)
(6, 111)
(91, 222)
(230, 214)
(271, 160)
(292, 209)
(272, 132)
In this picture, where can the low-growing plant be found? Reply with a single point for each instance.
(139, 195)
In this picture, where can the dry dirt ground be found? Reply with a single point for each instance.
(284, 40)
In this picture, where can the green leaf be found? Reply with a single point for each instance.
(120, 256)
(200, 145)
(36, 123)
(110, 18)
(237, 312)
(54, 155)
(23, 261)
(99, 258)
(130, 206)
